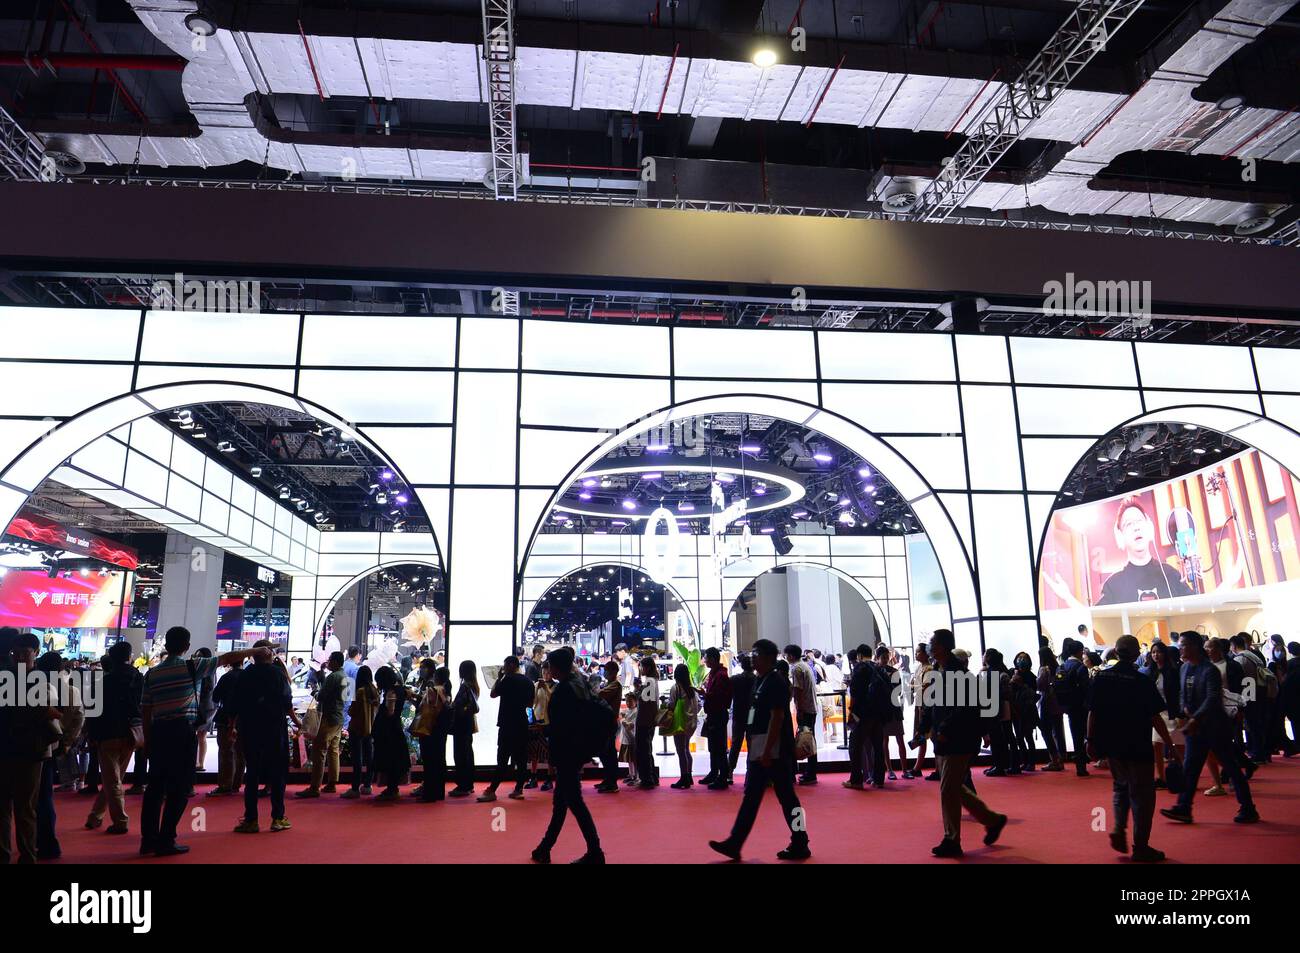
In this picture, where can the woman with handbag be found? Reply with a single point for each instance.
(464, 724)
(684, 705)
(433, 749)
(647, 718)
(1162, 668)
(361, 728)
(392, 761)
(117, 733)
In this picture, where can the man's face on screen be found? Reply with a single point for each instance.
(1135, 530)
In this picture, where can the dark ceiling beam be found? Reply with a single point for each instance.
(135, 229)
(641, 39)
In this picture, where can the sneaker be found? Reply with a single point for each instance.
(892, 776)
(488, 795)
(365, 790)
(171, 850)
(602, 789)
(519, 795)
(247, 827)
(932, 776)
(541, 855)
(93, 822)
(708, 779)
(596, 856)
(116, 829)
(532, 783)
(1216, 791)
(460, 792)
(307, 792)
(1247, 815)
(852, 785)
(389, 794)
(1054, 766)
(351, 794)
(718, 786)
(994, 830)
(1183, 815)
(947, 848)
(280, 824)
(995, 773)
(1119, 841)
(808, 781)
(629, 781)
(726, 848)
(794, 852)
(219, 791)
(547, 785)
(682, 785)
(328, 789)
(909, 775)
(1147, 855)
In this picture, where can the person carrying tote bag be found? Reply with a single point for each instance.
(684, 711)
(463, 726)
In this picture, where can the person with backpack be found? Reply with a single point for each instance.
(1024, 709)
(684, 703)
(113, 731)
(1071, 688)
(869, 710)
(169, 707)
(1263, 691)
(464, 725)
(575, 725)
(262, 703)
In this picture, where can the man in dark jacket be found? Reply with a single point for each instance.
(1208, 730)
(952, 719)
(565, 714)
(263, 700)
(717, 704)
(867, 720)
(742, 692)
(21, 751)
(1072, 694)
(1123, 705)
(112, 734)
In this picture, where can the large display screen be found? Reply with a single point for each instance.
(230, 619)
(1232, 525)
(34, 600)
(38, 529)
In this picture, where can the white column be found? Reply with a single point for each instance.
(191, 589)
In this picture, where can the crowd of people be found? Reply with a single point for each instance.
(1154, 716)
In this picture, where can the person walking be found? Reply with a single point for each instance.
(263, 709)
(567, 729)
(26, 732)
(361, 732)
(464, 724)
(325, 746)
(716, 692)
(514, 693)
(169, 708)
(1207, 731)
(114, 733)
(1071, 688)
(771, 760)
(1123, 708)
(953, 721)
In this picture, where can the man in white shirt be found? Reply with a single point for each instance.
(803, 686)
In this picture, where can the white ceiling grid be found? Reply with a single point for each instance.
(1160, 115)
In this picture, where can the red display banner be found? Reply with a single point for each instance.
(34, 600)
(38, 529)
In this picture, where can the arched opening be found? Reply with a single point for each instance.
(1186, 518)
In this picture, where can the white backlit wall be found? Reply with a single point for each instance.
(875, 566)
(977, 432)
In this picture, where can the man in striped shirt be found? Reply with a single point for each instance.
(169, 708)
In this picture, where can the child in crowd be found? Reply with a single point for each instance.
(627, 738)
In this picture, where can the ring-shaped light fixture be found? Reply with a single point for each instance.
(791, 488)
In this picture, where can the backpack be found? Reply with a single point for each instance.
(880, 700)
(595, 725)
(1067, 687)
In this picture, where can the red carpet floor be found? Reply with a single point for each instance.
(1052, 819)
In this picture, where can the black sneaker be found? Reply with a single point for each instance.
(932, 776)
(1183, 815)
(726, 848)
(540, 855)
(596, 856)
(1247, 815)
(171, 850)
(1119, 841)
(1147, 855)
(947, 848)
(794, 852)
(994, 830)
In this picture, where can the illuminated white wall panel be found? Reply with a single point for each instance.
(898, 400)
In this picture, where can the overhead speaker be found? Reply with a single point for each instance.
(782, 544)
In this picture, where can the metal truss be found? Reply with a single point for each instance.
(22, 157)
(1006, 117)
(1156, 229)
(499, 54)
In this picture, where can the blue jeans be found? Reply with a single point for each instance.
(1199, 746)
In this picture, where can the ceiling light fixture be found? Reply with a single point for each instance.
(765, 57)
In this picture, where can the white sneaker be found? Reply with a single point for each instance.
(1216, 791)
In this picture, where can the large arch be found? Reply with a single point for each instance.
(23, 473)
(1271, 437)
(325, 606)
(950, 550)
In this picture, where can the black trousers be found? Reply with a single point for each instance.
(566, 798)
(1079, 736)
(265, 763)
(1053, 730)
(363, 759)
(645, 759)
(737, 742)
(462, 749)
(609, 760)
(512, 749)
(433, 754)
(781, 777)
(715, 733)
(173, 746)
(867, 733)
(998, 748)
(1023, 731)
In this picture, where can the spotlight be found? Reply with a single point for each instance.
(864, 472)
(823, 457)
(402, 498)
(225, 446)
(1189, 426)
(1198, 450)
(381, 498)
(283, 492)
(584, 495)
(386, 475)
(85, 571)
(629, 504)
(255, 471)
(589, 482)
(686, 506)
(765, 57)
(750, 448)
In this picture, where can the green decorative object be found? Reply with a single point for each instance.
(693, 663)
